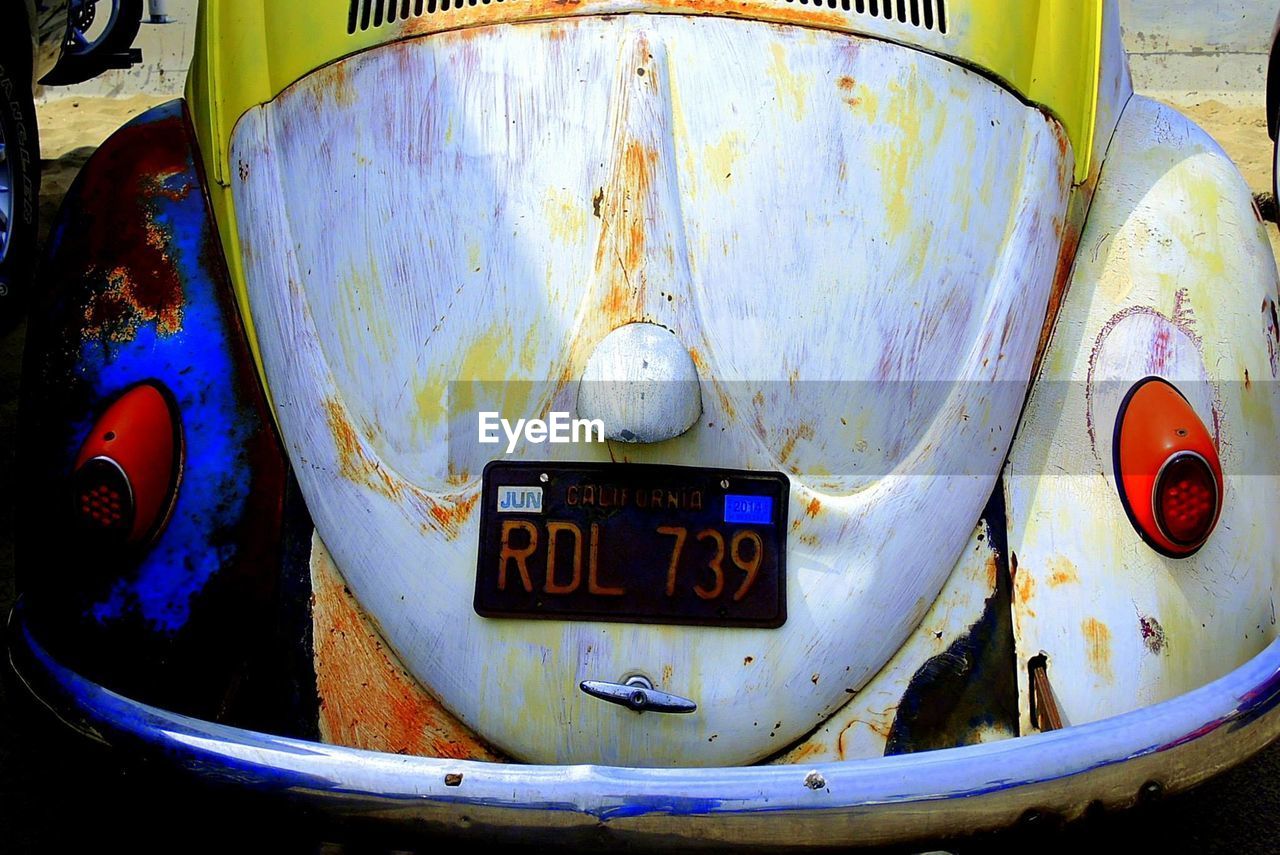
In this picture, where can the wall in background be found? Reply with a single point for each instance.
(1184, 50)
(1189, 50)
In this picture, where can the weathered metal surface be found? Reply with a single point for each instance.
(135, 289)
(1172, 270)
(950, 682)
(871, 802)
(739, 183)
(367, 699)
(248, 53)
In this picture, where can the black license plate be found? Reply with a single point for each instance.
(634, 543)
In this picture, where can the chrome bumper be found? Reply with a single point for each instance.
(1175, 744)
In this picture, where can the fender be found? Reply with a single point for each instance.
(1175, 279)
(137, 291)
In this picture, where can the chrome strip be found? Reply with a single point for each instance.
(1177, 743)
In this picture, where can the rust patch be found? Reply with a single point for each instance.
(453, 514)
(447, 515)
(802, 431)
(1062, 572)
(354, 464)
(367, 699)
(463, 17)
(133, 174)
(1058, 292)
(1152, 634)
(457, 476)
(1024, 589)
(114, 312)
(639, 164)
(667, 671)
(747, 660)
(726, 403)
(814, 506)
(806, 751)
(992, 568)
(1097, 640)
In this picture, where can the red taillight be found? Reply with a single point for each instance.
(103, 498)
(126, 474)
(1167, 469)
(1186, 499)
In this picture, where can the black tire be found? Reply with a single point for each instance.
(78, 67)
(22, 166)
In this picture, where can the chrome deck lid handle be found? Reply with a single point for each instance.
(638, 694)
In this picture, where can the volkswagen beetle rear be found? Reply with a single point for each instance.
(685, 419)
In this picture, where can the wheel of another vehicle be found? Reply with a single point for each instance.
(99, 31)
(19, 190)
(1275, 175)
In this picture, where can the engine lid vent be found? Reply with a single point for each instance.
(928, 14)
(364, 14)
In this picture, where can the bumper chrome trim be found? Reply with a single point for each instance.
(1178, 743)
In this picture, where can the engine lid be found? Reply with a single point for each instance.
(854, 241)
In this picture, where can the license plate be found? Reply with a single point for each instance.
(633, 543)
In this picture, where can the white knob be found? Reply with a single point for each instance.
(642, 383)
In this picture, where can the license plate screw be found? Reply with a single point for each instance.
(544, 477)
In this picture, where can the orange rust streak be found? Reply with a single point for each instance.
(448, 515)
(354, 464)
(367, 699)
(1077, 209)
(1024, 589)
(451, 516)
(815, 505)
(468, 17)
(1097, 639)
(803, 431)
(806, 751)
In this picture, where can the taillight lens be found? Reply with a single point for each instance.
(1167, 470)
(1186, 499)
(126, 474)
(103, 498)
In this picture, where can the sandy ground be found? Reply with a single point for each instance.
(70, 130)
(1242, 133)
(1235, 813)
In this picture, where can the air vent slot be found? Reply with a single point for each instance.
(365, 14)
(928, 14)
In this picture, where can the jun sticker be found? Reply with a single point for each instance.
(522, 500)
